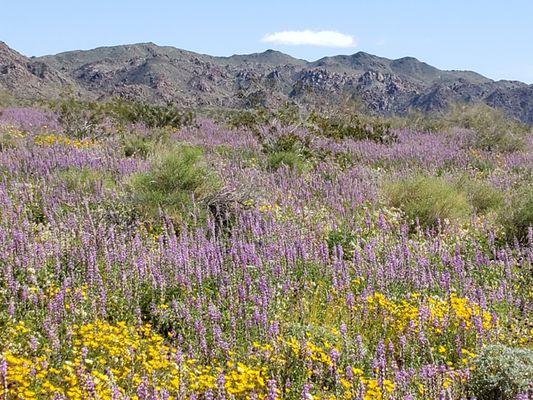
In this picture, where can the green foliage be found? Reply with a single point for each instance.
(344, 238)
(8, 100)
(85, 180)
(352, 127)
(247, 119)
(290, 159)
(418, 121)
(518, 217)
(482, 196)
(8, 140)
(177, 177)
(428, 200)
(493, 129)
(142, 144)
(79, 119)
(288, 150)
(502, 373)
(153, 116)
(136, 146)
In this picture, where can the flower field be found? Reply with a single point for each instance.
(220, 262)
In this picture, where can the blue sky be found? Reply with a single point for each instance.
(494, 38)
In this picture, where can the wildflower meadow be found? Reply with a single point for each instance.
(218, 259)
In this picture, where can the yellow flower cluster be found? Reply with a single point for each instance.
(53, 139)
(455, 311)
(103, 358)
(239, 381)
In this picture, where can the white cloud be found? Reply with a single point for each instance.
(311, 38)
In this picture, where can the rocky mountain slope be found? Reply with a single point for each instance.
(159, 74)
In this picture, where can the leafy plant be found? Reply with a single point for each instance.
(178, 179)
(84, 179)
(289, 150)
(502, 373)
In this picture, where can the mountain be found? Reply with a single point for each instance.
(23, 77)
(159, 74)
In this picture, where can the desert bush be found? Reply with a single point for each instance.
(136, 146)
(141, 144)
(152, 116)
(79, 119)
(428, 200)
(9, 139)
(518, 217)
(351, 127)
(344, 238)
(247, 119)
(290, 159)
(502, 373)
(287, 150)
(493, 129)
(482, 196)
(85, 180)
(177, 176)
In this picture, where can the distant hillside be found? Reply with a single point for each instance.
(158, 74)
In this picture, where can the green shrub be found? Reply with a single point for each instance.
(8, 140)
(502, 373)
(482, 196)
(178, 180)
(291, 159)
(428, 200)
(153, 116)
(247, 119)
(84, 180)
(352, 127)
(136, 146)
(288, 150)
(79, 119)
(493, 129)
(518, 217)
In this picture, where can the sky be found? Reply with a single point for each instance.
(494, 38)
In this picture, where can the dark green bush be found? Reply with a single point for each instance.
(136, 146)
(178, 181)
(344, 238)
(502, 373)
(291, 159)
(80, 118)
(289, 150)
(153, 116)
(352, 127)
(428, 200)
(247, 119)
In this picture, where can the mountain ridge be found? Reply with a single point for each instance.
(148, 72)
